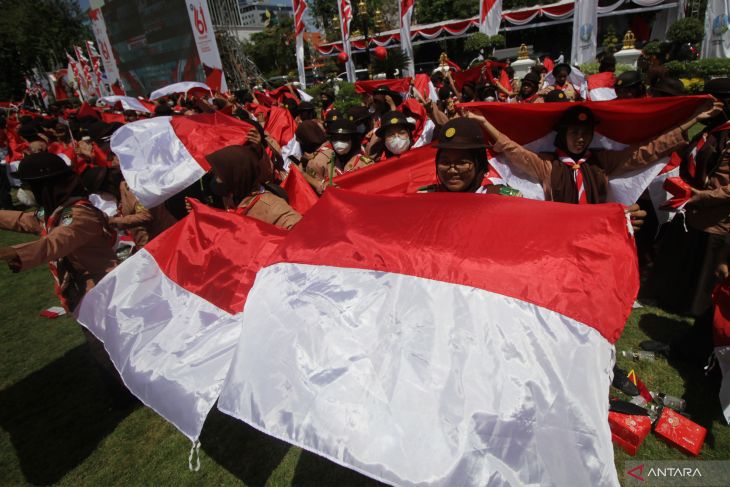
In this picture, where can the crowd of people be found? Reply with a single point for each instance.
(71, 190)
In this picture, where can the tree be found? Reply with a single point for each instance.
(439, 10)
(35, 35)
(324, 10)
(273, 49)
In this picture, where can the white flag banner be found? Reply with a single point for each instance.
(405, 13)
(205, 37)
(490, 16)
(585, 24)
(300, 6)
(105, 48)
(716, 43)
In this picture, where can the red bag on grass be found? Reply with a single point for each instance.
(680, 432)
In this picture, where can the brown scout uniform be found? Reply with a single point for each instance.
(143, 224)
(711, 214)
(80, 246)
(557, 179)
(269, 208)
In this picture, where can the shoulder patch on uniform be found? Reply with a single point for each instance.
(66, 216)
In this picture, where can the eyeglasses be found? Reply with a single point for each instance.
(458, 165)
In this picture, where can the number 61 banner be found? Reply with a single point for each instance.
(204, 36)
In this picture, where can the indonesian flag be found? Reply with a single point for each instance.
(56, 80)
(345, 11)
(213, 78)
(281, 126)
(623, 123)
(479, 73)
(490, 16)
(127, 103)
(161, 156)
(417, 357)
(186, 87)
(421, 82)
(405, 14)
(169, 322)
(600, 86)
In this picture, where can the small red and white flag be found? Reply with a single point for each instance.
(186, 87)
(600, 86)
(161, 156)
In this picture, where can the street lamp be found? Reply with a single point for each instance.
(362, 12)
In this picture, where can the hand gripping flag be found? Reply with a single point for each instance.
(161, 156)
(411, 351)
(622, 123)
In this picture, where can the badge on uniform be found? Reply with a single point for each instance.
(67, 217)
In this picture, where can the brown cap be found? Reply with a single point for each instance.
(461, 133)
(392, 119)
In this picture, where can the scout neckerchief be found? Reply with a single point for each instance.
(577, 173)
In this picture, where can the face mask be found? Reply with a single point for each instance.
(26, 197)
(396, 145)
(342, 147)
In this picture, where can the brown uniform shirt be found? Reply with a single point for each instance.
(539, 167)
(79, 245)
(269, 208)
(711, 213)
(144, 224)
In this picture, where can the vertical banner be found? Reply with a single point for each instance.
(345, 9)
(716, 43)
(73, 66)
(95, 61)
(585, 27)
(88, 85)
(204, 36)
(98, 27)
(490, 16)
(299, 7)
(405, 13)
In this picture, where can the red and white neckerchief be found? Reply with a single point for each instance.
(692, 157)
(577, 173)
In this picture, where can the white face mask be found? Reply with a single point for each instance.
(342, 147)
(26, 197)
(396, 145)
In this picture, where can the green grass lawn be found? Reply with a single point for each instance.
(57, 427)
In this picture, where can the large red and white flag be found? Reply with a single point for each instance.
(490, 16)
(300, 6)
(168, 319)
(622, 124)
(345, 11)
(405, 14)
(161, 156)
(412, 356)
